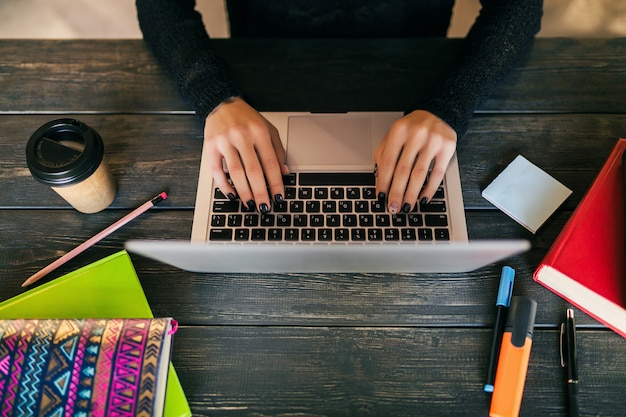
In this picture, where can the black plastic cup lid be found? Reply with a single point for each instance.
(64, 152)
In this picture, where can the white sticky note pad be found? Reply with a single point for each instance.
(526, 193)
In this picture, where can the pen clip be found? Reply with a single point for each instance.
(562, 345)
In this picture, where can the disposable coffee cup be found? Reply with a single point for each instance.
(68, 155)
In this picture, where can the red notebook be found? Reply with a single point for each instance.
(586, 264)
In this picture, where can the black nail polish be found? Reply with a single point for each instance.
(251, 205)
(382, 196)
(278, 198)
(231, 196)
(424, 200)
(406, 207)
(264, 208)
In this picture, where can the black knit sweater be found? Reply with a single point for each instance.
(502, 33)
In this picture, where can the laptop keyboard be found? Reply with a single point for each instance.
(328, 207)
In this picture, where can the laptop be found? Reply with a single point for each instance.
(330, 220)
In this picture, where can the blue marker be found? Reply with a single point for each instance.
(505, 291)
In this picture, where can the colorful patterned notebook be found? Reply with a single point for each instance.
(106, 288)
(81, 367)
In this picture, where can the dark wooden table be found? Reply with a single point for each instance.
(321, 344)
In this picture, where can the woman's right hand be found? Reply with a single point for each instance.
(248, 146)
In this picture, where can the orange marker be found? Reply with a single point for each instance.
(513, 360)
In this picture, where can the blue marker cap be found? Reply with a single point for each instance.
(505, 291)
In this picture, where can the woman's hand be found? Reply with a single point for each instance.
(238, 137)
(404, 159)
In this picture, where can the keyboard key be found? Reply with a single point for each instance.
(392, 235)
(325, 234)
(361, 206)
(234, 220)
(366, 220)
(337, 178)
(289, 179)
(442, 234)
(353, 193)
(398, 220)
(275, 234)
(300, 220)
(292, 234)
(377, 206)
(308, 234)
(415, 220)
(317, 220)
(358, 235)
(333, 220)
(425, 234)
(321, 193)
(283, 220)
(290, 193)
(348, 220)
(242, 234)
(436, 220)
(251, 219)
(383, 220)
(268, 220)
(218, 220)
(258, 234)
(305, 193)
(312, 206)
(296, 206)
(221, 234)
(345, 206)
(369, 193)
(226, 206)
(408, 234)
(433, 206)
(280, 207)
(342, 235)
(336, 193)
(329, 206)
(374, 234)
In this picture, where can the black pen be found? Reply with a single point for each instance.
(505, 291)
(568, 361)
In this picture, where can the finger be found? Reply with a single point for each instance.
(274, 174)
(220, 178)
(435, 177)
(255, 177)
(238, 176)
(386, 157)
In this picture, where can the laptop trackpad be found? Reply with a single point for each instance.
(329, 140)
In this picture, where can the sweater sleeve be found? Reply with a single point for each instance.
(176, 35)
(501, 35)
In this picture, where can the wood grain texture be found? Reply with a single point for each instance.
(389, 371)
(559, 75)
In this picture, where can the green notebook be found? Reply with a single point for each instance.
(108, 288)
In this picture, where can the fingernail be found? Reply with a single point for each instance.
(393, 208)
(278, 198)
(424, 200)
(381, 195)
(251, 205)
(406, 208)
(231, 196)
(264, 208)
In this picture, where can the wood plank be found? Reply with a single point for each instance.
(31, 239)
(562, 75)
(358, 371)
(151, 153)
